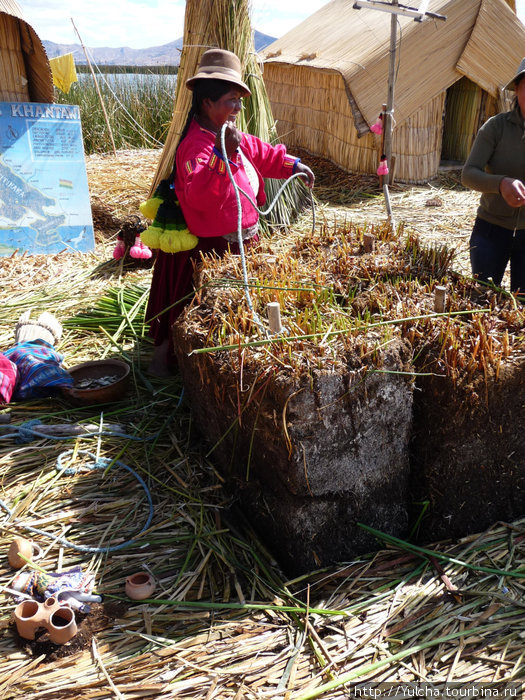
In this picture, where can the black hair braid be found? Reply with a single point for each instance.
(185, 130)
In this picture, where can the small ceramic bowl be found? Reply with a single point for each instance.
(139, 586)
(98, 381)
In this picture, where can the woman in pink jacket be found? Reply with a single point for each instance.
(205, 192)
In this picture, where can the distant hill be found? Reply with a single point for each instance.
(165, 55)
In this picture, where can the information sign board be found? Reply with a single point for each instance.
(44, 196)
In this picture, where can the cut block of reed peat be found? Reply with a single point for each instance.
(468, 449)
(307, 456)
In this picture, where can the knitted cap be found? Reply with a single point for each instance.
(221, 65)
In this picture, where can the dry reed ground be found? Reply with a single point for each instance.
(224, 622)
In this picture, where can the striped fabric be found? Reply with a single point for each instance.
(39, 370)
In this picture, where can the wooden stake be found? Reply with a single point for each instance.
(388, 206)
(388, 119)
(368, 242)
(439, 299)
(274, 316)
(96, 88)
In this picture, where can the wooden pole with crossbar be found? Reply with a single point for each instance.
(419, 14)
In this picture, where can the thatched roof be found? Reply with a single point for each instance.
(481, 39)
(19, 40)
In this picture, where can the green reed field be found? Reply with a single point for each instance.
(138, 105)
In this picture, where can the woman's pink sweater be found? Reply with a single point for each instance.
(203, 187)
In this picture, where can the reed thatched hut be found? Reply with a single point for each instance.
(25, 75)
(327, 80)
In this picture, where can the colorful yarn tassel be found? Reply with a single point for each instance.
(139, 250)
(377, 126)
(120, 249)
(150, 207)
(383, 166)
(168, 231)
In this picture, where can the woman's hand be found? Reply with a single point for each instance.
(232, 139)
(512, 191)
(306, 174)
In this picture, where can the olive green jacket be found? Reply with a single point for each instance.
(497, 152)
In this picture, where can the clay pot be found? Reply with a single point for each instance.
(20, 546)
(58, 619)
(62, 625)
(139, 586)
(29, 616)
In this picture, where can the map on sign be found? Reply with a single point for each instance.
(44, 196)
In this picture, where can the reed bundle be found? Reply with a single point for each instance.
(25, 74)
(12, 70)
(226, 24)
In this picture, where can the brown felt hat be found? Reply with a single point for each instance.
(221, 65)
(511, 85)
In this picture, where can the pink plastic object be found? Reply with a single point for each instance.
(119, 250)
(139, 250)
(139, 586)
(58, 619)
(377, 126)
(383, 167)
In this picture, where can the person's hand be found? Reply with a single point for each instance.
(232, 139)
(512, 191)
(305, 173)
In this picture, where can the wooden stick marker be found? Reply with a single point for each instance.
(440, 296)
(368, 242)
(274, 316)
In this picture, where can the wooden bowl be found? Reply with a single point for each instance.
(98, 381)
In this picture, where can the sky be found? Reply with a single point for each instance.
(144, 23)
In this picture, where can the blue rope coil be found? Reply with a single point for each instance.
(26, 432)
(102, 463)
